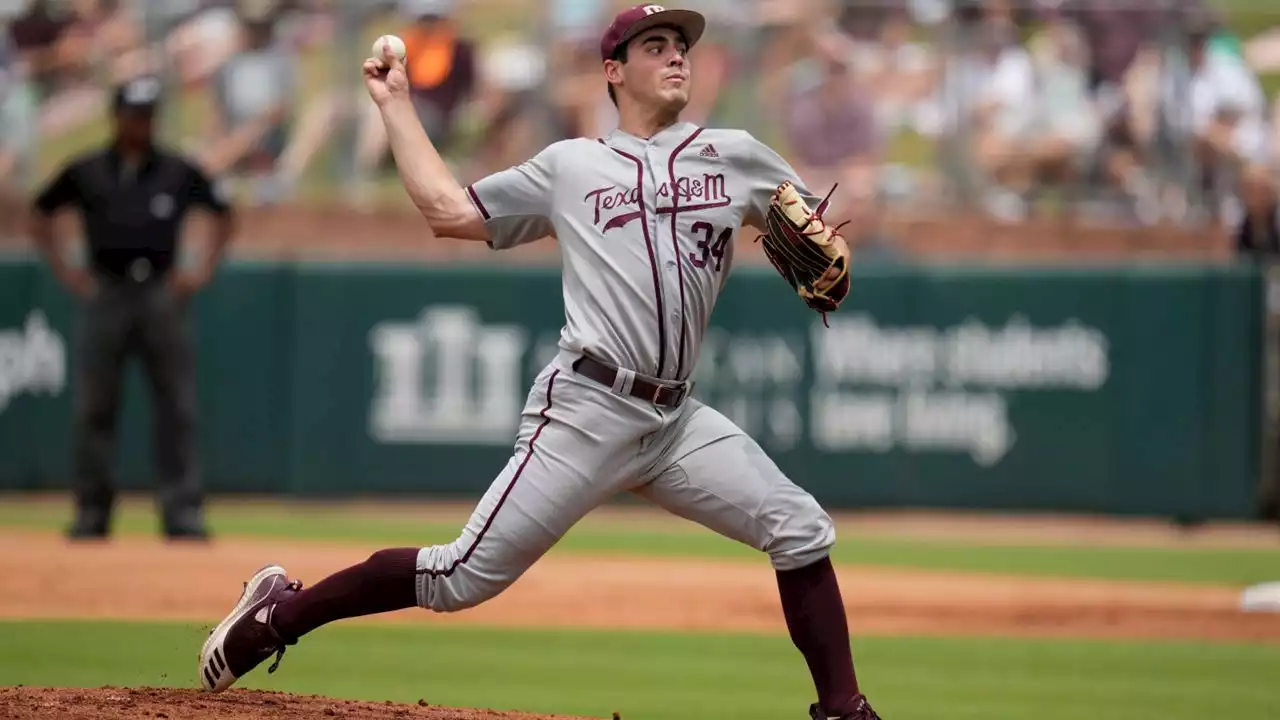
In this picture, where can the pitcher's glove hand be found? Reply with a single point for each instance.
(807, 252)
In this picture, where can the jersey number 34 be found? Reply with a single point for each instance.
(707, 247)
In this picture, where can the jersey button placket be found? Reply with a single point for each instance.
(654, 219)
(656, 160)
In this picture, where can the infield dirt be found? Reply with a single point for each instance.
(53, 579)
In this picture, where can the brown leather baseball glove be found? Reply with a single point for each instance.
(807, 252)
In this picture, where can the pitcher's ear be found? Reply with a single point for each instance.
(612, 71)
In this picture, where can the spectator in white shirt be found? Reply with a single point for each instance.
(985, 97)
(1224, 108)
(255, 93)
(899, 72)
(1062, 127)
(1223, 111)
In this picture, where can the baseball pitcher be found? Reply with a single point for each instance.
(647, 220)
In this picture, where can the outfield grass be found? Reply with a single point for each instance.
(680, 539)
(678, 677)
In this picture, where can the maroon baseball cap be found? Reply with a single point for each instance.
(631, 22)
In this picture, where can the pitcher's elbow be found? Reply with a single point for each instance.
(461, 224)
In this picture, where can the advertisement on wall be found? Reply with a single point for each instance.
(924, 389)
(1112, 391)
(33, 360)
(857, 386)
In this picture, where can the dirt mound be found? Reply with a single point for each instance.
(110, 703)
(54, 579)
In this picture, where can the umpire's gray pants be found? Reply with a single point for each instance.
(123, 319)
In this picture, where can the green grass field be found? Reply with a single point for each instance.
(666, 676)
(680, 677)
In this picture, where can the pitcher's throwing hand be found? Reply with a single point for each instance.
(385, 76)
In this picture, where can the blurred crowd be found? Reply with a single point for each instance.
(1123, 111)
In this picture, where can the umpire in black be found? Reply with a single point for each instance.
(132, 197)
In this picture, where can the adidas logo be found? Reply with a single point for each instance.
(709, 151)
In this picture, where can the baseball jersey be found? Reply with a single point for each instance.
(647, 229)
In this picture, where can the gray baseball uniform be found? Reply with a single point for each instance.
(646, 229)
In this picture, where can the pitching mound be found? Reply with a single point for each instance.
(135, 703)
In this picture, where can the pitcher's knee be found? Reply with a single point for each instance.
(449, 581)
(803, 535)
(443, 596)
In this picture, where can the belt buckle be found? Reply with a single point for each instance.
(657, 393)
(686, 389)
(682, 393)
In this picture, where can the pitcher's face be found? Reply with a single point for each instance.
(657, 72)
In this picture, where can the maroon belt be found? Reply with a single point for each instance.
(672, 396)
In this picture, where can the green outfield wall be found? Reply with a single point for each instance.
(1118, 390)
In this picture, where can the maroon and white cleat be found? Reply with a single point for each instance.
(245, 637)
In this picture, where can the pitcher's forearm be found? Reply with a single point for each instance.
(427, 179)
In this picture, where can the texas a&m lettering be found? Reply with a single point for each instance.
(691, 194)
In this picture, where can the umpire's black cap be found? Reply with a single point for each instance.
(140, 93)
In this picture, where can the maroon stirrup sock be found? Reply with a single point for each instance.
(814, 610)
(386, 582)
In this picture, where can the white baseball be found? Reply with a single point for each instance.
(397, 46)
